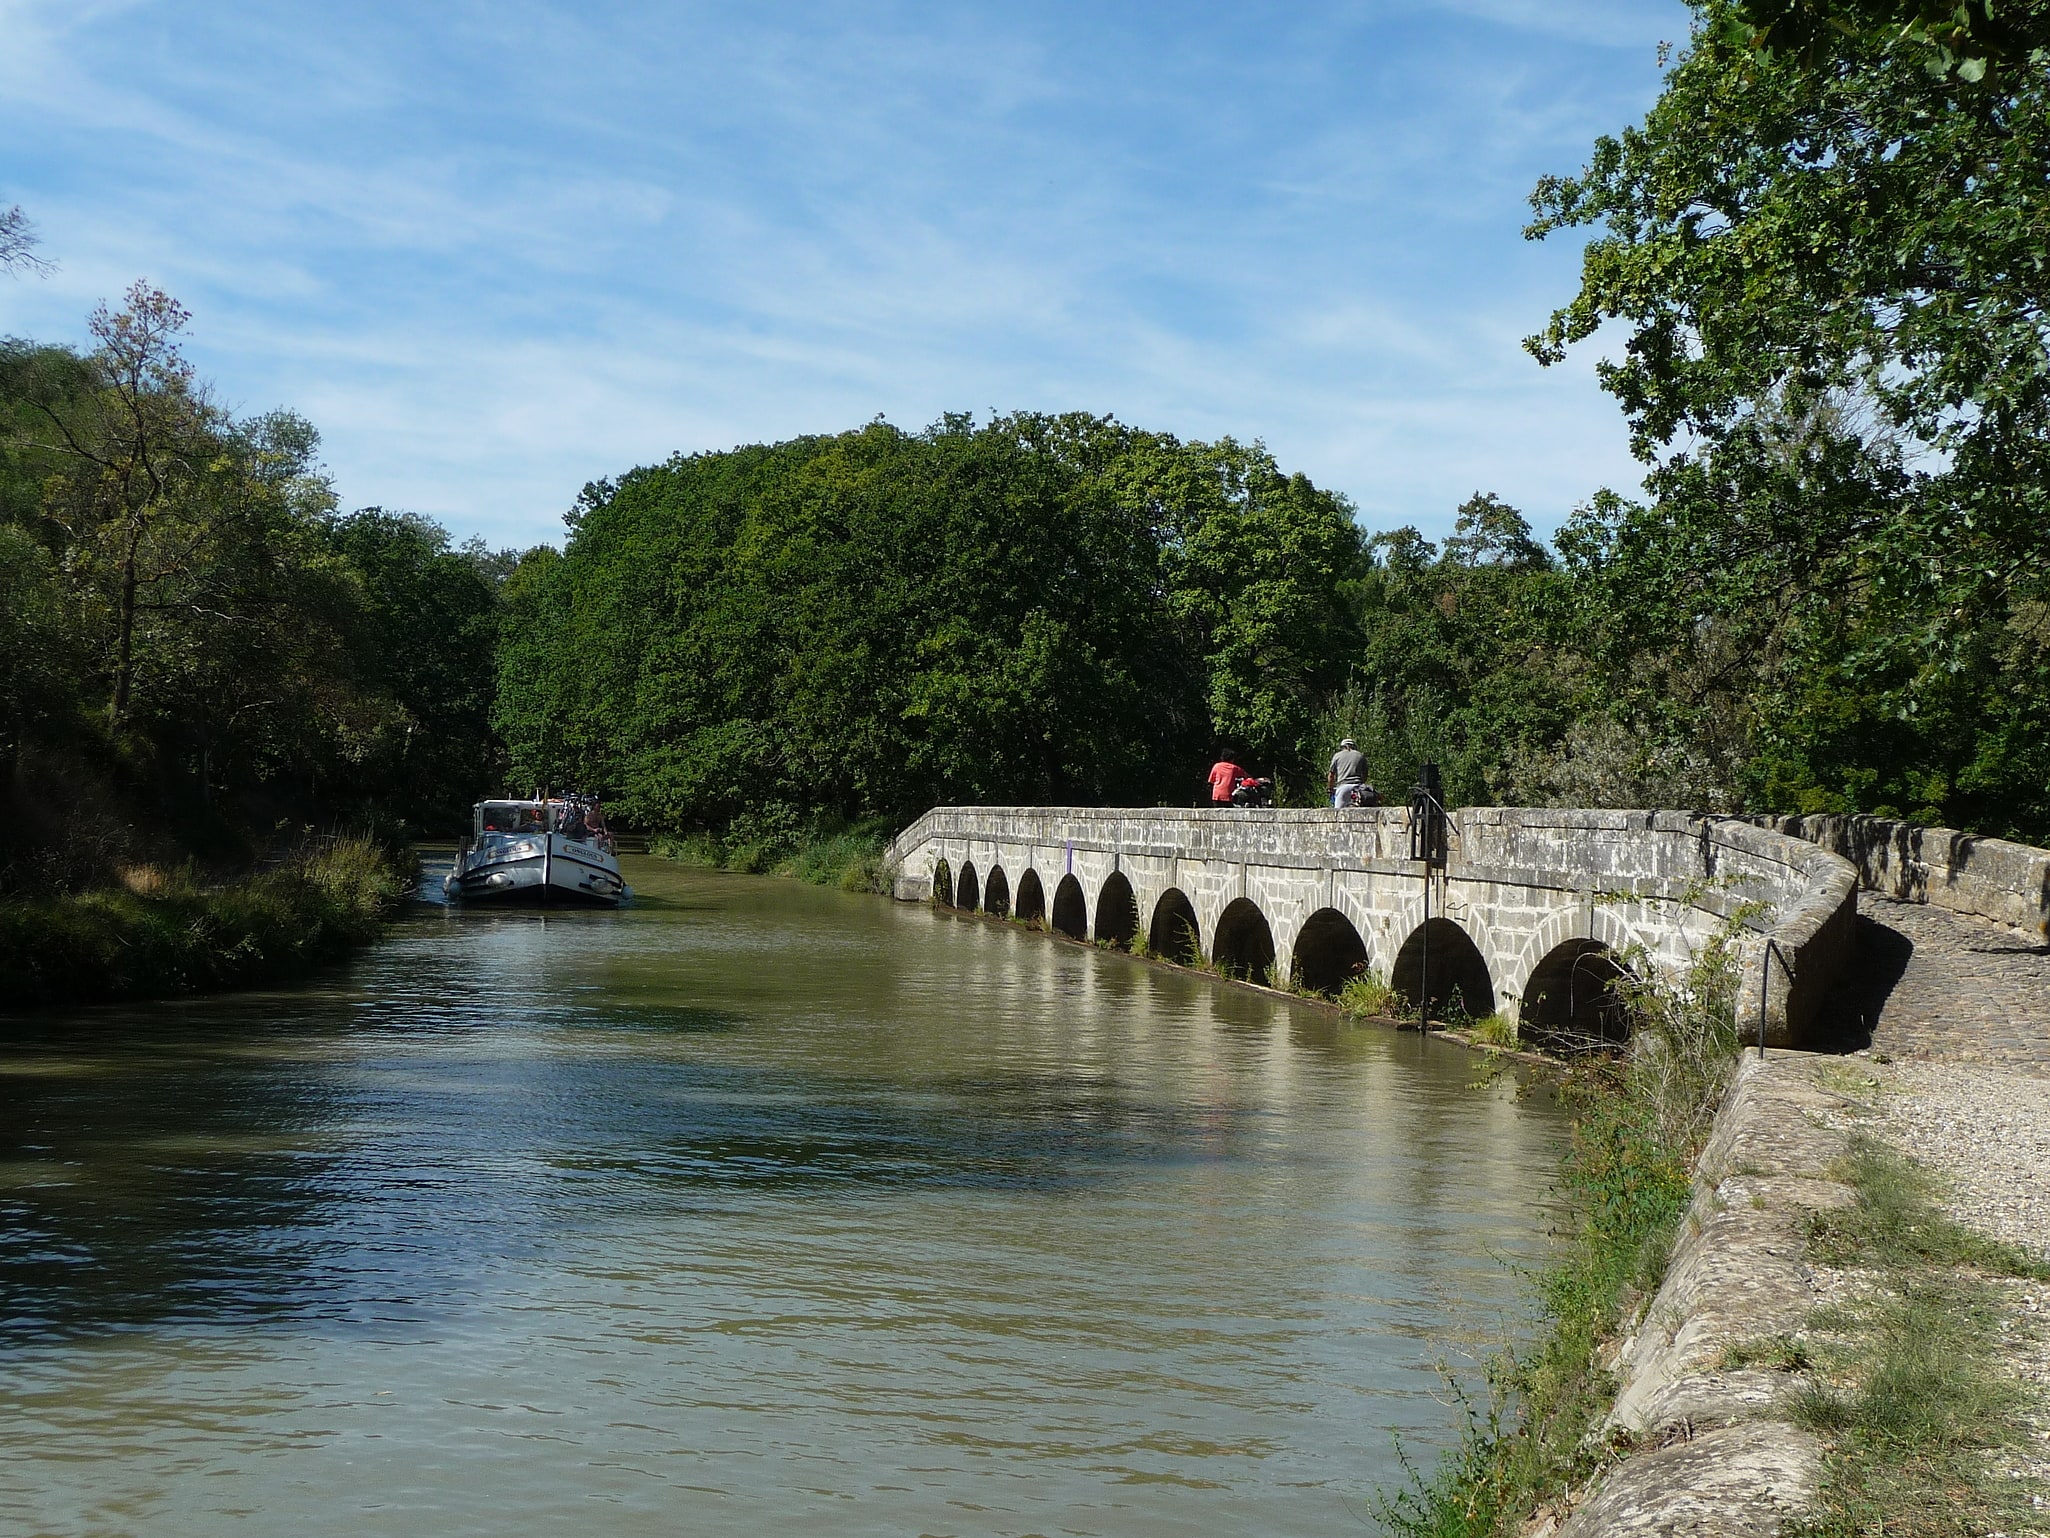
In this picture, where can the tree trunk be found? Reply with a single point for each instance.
(124, 658)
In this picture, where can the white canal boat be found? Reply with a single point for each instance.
(553, 849)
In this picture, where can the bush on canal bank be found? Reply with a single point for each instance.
(166, 932)
(1639, 1121)
(849, 857)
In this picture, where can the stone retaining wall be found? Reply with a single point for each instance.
(1710, 1451)
(1987, 878)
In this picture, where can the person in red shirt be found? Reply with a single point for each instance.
(1224, 774)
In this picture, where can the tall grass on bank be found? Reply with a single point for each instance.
(850, 858)
(166, 932)
(1639, 1120)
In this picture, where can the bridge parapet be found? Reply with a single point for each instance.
(1529, 918)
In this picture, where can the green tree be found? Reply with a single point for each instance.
(1824, 245)
(1456, 664)
(1042, 608)
(423, 635)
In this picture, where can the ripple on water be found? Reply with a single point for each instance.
(751, 1208)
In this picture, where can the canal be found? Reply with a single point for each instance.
(753, 1208)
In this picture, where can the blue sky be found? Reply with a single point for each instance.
(495, 250)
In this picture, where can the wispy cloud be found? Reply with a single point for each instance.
(496, 250)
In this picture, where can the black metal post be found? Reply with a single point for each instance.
(1764, 995)
(1427, 846)
(1423, 1017)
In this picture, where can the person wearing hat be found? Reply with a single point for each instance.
(1348, 776)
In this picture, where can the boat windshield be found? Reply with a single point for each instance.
(509, 817)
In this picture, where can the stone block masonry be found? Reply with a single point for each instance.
(1530, 908)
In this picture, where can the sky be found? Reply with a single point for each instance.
(496, 250)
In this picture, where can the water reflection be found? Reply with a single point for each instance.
(753, 1207)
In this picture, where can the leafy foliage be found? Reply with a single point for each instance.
(1042, 609)
(195, 634)
(1458, 663)
(1825, 246)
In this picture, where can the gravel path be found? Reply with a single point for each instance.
(1987, 1132)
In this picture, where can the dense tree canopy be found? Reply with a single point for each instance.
(1039, 609)
(1825, 244)
(190, 625)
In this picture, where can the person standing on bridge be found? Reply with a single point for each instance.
(1347, 780)
(1224, 777)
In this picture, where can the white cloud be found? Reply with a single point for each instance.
(498, 250)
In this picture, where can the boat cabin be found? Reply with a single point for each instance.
(575, 817)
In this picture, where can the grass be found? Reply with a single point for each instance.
(167, 932)
(1638, 1123)
(1911, 1396)
(850, 858)
(1494, 1031)
(1369, 995)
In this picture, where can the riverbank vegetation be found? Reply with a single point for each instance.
(1639, 1121)
(850, 858)
(166, 932)
(208, 660)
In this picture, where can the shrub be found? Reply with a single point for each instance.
(168, 932)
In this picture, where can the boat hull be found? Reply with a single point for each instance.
(569, 873)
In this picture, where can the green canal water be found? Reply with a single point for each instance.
(754, 1208)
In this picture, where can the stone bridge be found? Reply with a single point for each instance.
(1533, 917)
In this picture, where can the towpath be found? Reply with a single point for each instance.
(1955, 1013)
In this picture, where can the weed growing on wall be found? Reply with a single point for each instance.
(1369, 995)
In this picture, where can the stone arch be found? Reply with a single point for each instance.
(1572, 1002)
(1597, 921)
(1070, 909)
(943, 883)
(1328, 952)
(1117, 911)
(996, 893)
(1174, 934)
(1243, 945)
(967, 890)
(1031, 898)
(1459, 980)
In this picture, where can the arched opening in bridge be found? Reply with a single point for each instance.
(1243, 945)
(1460, 985)
(1572, 1001)
(1173, 935)
(996, 893)
(1328, 952)
(943, 884)
(967, 890)
(1031, 898)
(1117, 912)
(1070, 909)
